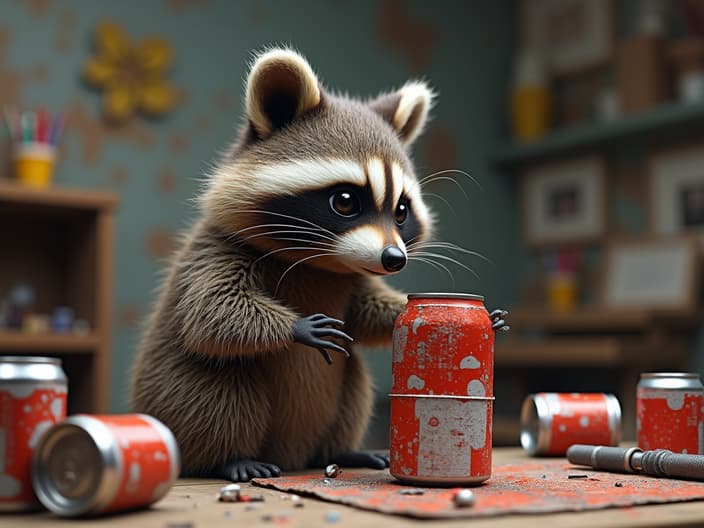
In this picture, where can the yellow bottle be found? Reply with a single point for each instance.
(529, 98)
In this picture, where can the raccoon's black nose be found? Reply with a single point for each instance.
(392, 258)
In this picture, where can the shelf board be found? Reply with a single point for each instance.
(60, 197)
(594, 319)
(561, 352)
(20, 342)
(658, 121)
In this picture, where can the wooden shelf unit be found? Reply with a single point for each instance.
(60, 242)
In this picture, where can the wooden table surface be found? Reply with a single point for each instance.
(191, 503)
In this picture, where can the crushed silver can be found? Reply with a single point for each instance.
(33, 394)
(551, 422)
(96, 464)
(670, 412)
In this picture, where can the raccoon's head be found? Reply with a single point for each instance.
(321, 179)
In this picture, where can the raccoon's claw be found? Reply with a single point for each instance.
(313, 330)
(358, 459)
(497, 320)
(246, 470)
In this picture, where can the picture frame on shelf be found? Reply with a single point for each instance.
(660, 274)
(676, 178)
(574, 35)
(564, 201)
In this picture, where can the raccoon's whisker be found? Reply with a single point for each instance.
(261, 211)
(292, 226)
(425, 179)
(314, 243)
(300, 262)
(451, 247)
(291, 232)
(450, 259)
(442, 198)
(288, 248)
(435, 265)
(445, 178)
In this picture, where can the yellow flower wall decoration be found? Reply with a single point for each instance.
(131, 75)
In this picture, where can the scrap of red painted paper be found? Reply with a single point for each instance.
(531, 487)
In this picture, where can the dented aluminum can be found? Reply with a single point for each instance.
(669, 412)
(94, 464)
(551, 422)
(32, 398)
(442, 390)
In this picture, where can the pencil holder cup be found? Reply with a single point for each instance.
(33, 163)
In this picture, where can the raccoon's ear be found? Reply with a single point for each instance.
(406, 109)
(281, 87)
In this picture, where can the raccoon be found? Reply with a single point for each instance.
(314, 203)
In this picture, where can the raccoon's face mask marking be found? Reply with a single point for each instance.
(359, 228)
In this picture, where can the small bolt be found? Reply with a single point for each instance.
(229, 493)
(412, 491)
(577, 476)
(327, 481)
(618, 484)
(333, 471)
(464, 498)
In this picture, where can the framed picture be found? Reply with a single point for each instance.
(659, 274)
(564, 202)
(677, 192)
(572, 35)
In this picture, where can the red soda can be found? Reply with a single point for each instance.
(669, 413)
(551, 422)
(32, 399)
(93, 464)
(442, 390)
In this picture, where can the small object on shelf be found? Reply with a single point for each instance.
(562, 284)
(34, 137)
(229, 493)
(32, 398)
(687, 54)
(332, 471)
(80, 327)
(19, 299)
(134, 455)
(36, 324)
(62, 319)
(530, 98)
(641, 73)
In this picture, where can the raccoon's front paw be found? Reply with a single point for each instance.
(312, 329)
(246, 470)
(497, 320)
(360, 459)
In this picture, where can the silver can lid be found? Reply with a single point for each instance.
(76, 467)
(670, 380)
(438, 295)
(30, 360)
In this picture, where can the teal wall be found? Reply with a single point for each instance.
(462, 48)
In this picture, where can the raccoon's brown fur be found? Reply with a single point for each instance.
(218, 363)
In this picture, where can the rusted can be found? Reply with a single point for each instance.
(442, 390)
(551, 421)
(32, 398)
(93, 464)
(669, 413)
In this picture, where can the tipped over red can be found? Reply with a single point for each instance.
(442, 390)
(551, 422)
(95, 464)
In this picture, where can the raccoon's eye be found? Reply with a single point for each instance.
(401, 213)
(345, 203)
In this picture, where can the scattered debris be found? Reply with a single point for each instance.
(577, 476)
(333, 471)
(251, 498)
(252, 506)
(618, 484)
(543, 476)
(464, 498)
(327, 481)
(332, 516)
(228, 514)
(267, 518)
(412, 491)
(297, 501)
(196, 505)
(179, 525)
(229, 493)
